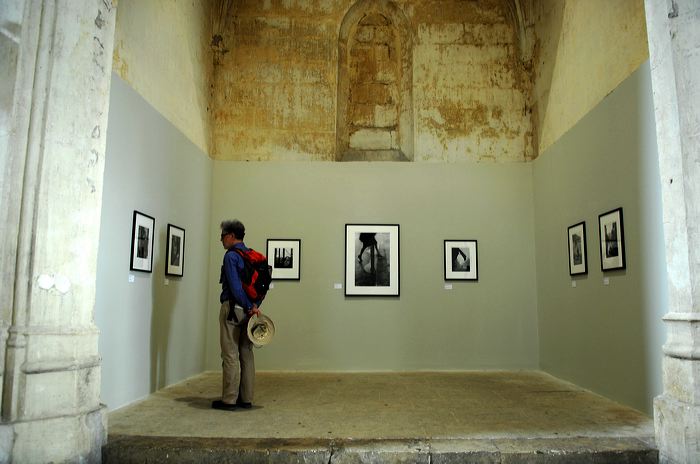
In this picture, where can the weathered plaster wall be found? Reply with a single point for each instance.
(472, 92)
(273, 74)
(375, 73)
(583, 51)
(162, 50)
(275, 84)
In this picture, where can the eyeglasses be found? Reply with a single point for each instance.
(224, 235)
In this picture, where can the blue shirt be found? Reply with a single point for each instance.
(231, 287)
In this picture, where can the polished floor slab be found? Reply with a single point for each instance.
(488, 412)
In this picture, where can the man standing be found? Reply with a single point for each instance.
(238, 364)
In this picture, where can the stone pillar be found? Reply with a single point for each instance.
(10, 28)
(52, 195)
(674, 47)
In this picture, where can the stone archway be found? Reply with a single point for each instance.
(375, 102)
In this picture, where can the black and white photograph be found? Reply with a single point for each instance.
(461, 260)
(371, 260)
(612, 240)
(284, 255)
(578, 258)
(142, 231)
(175, 251)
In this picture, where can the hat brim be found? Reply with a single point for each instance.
(261, 330)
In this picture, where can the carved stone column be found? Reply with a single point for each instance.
(52, 196)
(674, 45)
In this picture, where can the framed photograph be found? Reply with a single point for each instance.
(175, 251)
(461, 260)
(612, 240)
(284, 255)
(371, 259)
(578, 249)
(142, 231)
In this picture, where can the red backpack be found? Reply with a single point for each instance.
(256, 275)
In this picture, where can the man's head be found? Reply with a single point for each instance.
(232, 232)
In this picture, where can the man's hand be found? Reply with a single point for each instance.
(254, 310)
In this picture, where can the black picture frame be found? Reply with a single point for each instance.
(372, 261)
(284, 255)
(611, 232)
(578, 249)
(461, 259)
(142, 234)
(175, 251)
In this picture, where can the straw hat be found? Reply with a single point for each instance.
(261, 329)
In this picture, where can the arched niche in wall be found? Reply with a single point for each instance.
(375, 92)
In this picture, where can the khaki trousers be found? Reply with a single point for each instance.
(237, 360)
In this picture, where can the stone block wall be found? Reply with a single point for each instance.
(471, 89)
(275, 82)
(373, 114)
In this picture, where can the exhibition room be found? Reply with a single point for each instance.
(476, 244)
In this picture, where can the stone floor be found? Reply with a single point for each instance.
(487, 415)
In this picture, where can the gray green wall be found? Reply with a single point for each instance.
(151, 335)
(522, 313)
(489, 324)
(605, 338)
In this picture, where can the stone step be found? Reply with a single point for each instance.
(129, 449)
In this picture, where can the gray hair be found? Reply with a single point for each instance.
(233, 226)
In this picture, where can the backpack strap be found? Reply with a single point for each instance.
(247, 274)
(240, 253)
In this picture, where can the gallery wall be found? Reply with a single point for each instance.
(151, 334)
(522, 312)
(489, 324)
(605, 337)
